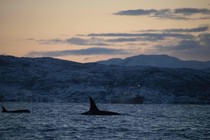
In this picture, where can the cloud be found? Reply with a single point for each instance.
(111, 39)
(88, 51)
(163, 13)
(180, 30)
(137, 12)
(200, 47)
(176, 14)
(89, 42)
(95, 40)
(157, 36)
(192, 11)
(51, 41)
(183, 45)
(131, 39)
(135, 39)
(75, 41)
(204, 39)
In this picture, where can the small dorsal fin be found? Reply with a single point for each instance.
(93, 106)
(4, 109)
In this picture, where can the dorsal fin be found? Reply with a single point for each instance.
(4, 109)
(93, 106)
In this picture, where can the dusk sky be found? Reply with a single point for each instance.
(92, 30)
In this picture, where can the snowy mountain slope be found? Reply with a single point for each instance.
(156, 61)
(54, 80)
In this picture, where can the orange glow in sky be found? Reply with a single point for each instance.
(87, 31)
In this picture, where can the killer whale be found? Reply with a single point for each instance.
(95, 111)
(4, 110)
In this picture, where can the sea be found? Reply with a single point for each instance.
(63, 121)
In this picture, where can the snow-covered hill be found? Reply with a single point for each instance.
(156, 61)
(48, 79)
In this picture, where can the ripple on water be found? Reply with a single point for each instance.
(63, 121)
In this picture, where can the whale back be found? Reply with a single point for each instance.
(4, 110)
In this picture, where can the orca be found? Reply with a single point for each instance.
(95, 111)
(4, 110)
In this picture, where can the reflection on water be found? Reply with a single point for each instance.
(63, 121)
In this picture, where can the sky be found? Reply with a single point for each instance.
(93, 30)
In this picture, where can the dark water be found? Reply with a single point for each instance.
(63, 121)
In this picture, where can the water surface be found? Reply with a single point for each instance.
(63, 121)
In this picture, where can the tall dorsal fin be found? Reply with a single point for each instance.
(4, 109)
(93, 106)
